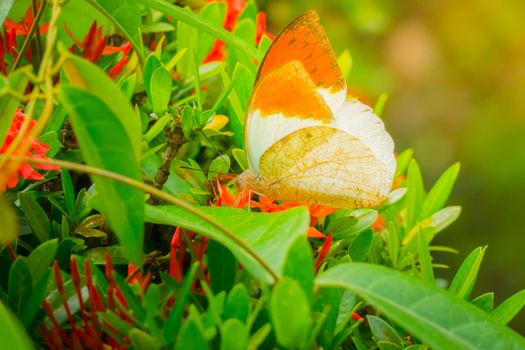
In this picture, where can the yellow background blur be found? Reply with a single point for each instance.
(455, 75)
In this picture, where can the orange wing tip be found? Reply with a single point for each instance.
(305, 40)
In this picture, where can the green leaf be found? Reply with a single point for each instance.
(234, 335)
(429, 313)
(290, 314)
(344, 61)
(382, 331)
(171, 327)
(222, 267)
(142, 340)
(93, 80)
(385, 345)
(392, 243)
(8, 104)
(328, 299)
(187, 39)
(213, 12)
(219, 166)
(20, 285)
(36, 216)
(237, 303)
(34, 303)
(415, 194)
(403, 159)
(509, 308)
(240, 157)
(5, 7)
(151, 65)
(467, 274)
(263, 232)
(347, 224)
(380, 104)
(12, 333)
(439, 193)
(257, 338)
(444, 217)
(8, 222)
(244, 29)
(41, 258)
(360, 246)
(299, 265)
(239, 96)
(191, 335)
(434, 224)
(425, 260)
(125, 15)
(104, 144)
(160, 90)
(485, 302)
(69, 192)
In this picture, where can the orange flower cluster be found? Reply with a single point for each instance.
(270, 205)
(38, 150)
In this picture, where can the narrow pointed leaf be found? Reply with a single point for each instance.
(415, 194)
(467, 274)
(506, 311)
(438, 194)
(382, 331)
(36, 216)
(20, 285)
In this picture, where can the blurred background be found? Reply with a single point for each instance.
(455, 75)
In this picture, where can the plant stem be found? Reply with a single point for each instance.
(25, 44)
(155, 192)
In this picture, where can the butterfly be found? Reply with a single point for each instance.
(305, 140)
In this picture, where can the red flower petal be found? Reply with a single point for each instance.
(314, 233)
(325, 249)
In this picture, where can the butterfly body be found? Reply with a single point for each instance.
(304, 140)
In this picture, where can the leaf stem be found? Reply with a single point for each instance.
(155, 192)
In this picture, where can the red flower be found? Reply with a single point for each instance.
(94, 46)
(10, 169)
(234, 9)
(12, 29)
(269, 205)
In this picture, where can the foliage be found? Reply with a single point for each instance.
(153, 250)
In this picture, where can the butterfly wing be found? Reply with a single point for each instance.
(326, 166)
(298, 84)
(283, 101)
(304, 140)
(305, 40)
